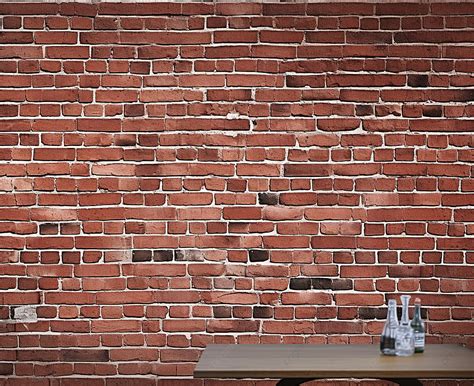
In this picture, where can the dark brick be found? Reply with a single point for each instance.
(162, 255)
(300, 283)
(268, 198)
(179, 255)
(364, 110)
(321, 283)
(424, 313)
(372, 313)
(141, 255)
(262, 312)
(258, 255)
(411, 312)
(11, 313)
(381, 313)
(49, 229)
(126, 140)
(188, 255)
(418, 80)
(341, 284)
(6, 368)
(432, 111)
(222, 312)
(84, 355)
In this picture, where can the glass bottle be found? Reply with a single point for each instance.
(405, 341)
(389, 333)
(418, 327)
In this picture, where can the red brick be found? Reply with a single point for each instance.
(285, 242)
(235, 37)
(97, 242)
(337, 242)
(340, 9)
(298, 198)
(67, 52)
(16, 37)
(217, 297)
(281, 36)
(190, 199)
(338, 124)
(98, 326)
(52, 37)
(214, 326)
(140, 167)
(279, 213)
(359, 299)
(283, 9)
(325, 37)
(242, 213)
(306, 298)
(283, 327)
(165, 38)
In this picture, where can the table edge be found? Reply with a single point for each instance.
(229, 373)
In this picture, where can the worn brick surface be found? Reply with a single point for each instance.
(179, 174)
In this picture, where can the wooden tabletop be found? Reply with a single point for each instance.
(331, 361)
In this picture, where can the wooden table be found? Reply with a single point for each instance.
(296, 363)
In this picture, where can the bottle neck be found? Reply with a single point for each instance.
(417, 315)
(405, 318)
(392, 314)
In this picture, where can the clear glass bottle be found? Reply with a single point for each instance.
(389, 333)
(418, 327)
(405, 340)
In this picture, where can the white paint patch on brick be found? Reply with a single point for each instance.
(24, 314)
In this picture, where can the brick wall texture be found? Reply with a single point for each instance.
(179, 174)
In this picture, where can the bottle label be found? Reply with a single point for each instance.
(419, 339)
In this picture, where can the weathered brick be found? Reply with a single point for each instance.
(268, 199)
(221, 312)
(297, 283)
(6, 369)
(162, 255)
(321, 283)
(191, 255)
(197, 173)
(262, 312)
(256, 255)
(418, 80)
(84, 355)
(141, 255)
(372, 313)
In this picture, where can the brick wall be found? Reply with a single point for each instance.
(174, 175)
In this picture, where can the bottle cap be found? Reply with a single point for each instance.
(417, 300)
